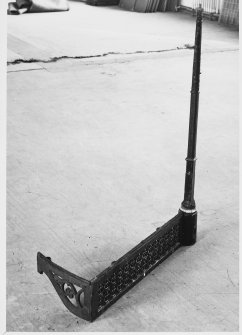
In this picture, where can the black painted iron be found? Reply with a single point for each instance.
(88, 299)
(188, 206)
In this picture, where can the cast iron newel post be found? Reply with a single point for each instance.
(88, 299)
(188, 206)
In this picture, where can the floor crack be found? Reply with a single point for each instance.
(231, 281)
(56, 59)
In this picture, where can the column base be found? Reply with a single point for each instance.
(188, 227)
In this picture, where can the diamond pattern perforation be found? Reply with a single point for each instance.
(136, 267)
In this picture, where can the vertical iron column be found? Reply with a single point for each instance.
(188, 206)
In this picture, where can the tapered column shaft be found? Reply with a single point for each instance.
(188, 203)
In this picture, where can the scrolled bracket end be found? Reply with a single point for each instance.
(74, 291)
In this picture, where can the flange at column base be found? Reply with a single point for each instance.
(188, 228)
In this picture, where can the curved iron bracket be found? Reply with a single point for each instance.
(75, 292)
(88, 299)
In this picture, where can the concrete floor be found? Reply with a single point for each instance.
(86, 31)
(95, 162)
